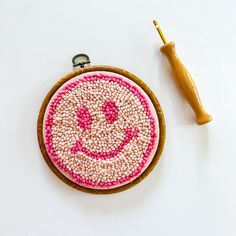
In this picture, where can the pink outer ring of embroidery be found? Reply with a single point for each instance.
(48, 137)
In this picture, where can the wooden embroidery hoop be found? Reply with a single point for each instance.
(140, 83)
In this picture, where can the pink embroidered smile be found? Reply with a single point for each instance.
(129, 135)
(84, 121)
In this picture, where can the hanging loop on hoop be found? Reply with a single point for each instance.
(81, 60)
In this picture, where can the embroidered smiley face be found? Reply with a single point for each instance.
(101, 130)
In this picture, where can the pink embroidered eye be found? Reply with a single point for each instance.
(110, 111)
(84, 118)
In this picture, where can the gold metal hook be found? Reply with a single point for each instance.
(160, 31)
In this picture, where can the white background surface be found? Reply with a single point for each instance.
(192, 191)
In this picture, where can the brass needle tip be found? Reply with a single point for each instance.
(160, 31)
(155, 22)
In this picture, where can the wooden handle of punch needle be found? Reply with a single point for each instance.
(184, 79)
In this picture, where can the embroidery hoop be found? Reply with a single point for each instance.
(147, 90)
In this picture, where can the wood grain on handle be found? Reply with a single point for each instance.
(186, 83)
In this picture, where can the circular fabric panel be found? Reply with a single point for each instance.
(100, 130)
